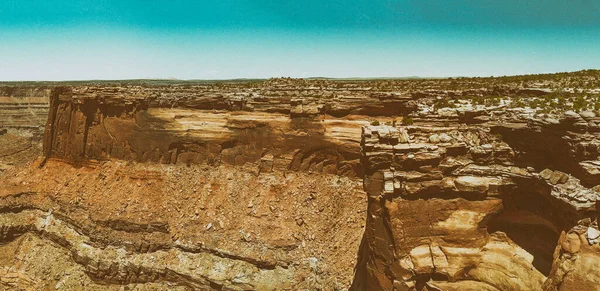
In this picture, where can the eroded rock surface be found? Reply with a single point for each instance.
(23, 114)
(457, 184)
(458, 209)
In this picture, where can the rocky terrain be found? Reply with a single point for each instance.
(23, 114)
(291, 184)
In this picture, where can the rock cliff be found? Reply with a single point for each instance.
(477, 206)
(23, 114)
(284, 184)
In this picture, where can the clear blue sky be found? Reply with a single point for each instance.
(219, 39)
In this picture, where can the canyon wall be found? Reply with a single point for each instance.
(185, 187)
(295, 136)
(481, 205)
(23, 114)
(23, 107)
(301, 185)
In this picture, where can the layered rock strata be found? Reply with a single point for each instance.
(23, 114)
(155, 196)
(23, 107)
(261, 186)
(98, 124)
(459, 209)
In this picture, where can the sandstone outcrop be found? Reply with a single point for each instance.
(23, 114)
(146, 125)
(23, 107)
(248, 199)
(286, 184)
(470, 213)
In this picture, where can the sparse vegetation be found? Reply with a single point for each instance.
(406, 120)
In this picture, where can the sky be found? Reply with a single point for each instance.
(226, 39)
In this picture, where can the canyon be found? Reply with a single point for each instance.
(301, 184)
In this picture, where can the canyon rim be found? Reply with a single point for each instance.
(301, 184)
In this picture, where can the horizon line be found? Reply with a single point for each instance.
(299, 78)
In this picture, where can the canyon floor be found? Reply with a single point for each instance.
(301, 184)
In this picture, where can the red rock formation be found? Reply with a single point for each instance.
(257, 186)
(451, 209)
(88, 124)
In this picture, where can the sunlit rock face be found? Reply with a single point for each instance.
(176, 188)
(197, 126)
(23, 114)
(299, 185)
(464, 213)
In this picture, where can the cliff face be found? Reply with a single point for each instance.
(305, 185)
(476, 207)
(23, 114)
(82, 126)
(145, 188)
(23, 107)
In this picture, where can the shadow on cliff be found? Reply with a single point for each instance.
(80, 130)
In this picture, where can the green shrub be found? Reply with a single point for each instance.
(579, 104)
(444, 102)
(517, 102)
